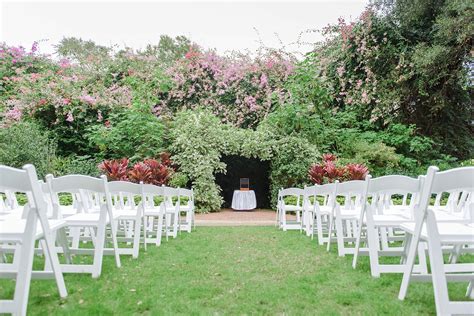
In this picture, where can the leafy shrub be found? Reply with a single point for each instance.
(178, 180)
(84, 165)
(134, 133)
(27, 143)
(291, 159)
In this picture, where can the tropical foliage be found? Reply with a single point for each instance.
(390, 92)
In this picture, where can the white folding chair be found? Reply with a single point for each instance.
(188, 209)
(324, 202)
(308, 209)
(128, 214)
(93, 218)
(436, 234)
(153, 213)
(23, 233)
(378, 216)
(172, 214)
(283, 208)
(457, 208)
(346, 218)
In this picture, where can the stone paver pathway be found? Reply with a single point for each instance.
(229, 217)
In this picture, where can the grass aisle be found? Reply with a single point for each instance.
(232, 270)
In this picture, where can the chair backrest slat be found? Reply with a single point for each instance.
(74, 183)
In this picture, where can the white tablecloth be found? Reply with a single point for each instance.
(244, 200)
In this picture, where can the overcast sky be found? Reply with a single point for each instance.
(223, 25)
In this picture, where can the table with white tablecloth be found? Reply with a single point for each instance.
(244, 200)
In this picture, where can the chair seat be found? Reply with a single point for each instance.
(350, 214)
(292, 208)
(125, 213)
(185, 208)
(448, 232)
(67, 210)
(402, 210)
(443, 216)
(11, 215)
(390, 220)
(84, 219)
(153, 212)
(13, 229)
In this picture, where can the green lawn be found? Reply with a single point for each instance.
(233, 270)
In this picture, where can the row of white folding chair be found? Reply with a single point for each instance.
(283, 208)
(381, 215)
(188, 208)
(22, 233)
(92, 218)
(345, 218)
(318, 213)
(436, 234)
(128, 215)
(100, 207)
(378, 217)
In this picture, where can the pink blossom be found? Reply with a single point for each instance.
(35, 76)
(340, 70)
(69, 117)
(34, 47)
(251, 103)
(88, 99)
(263, 81)
(13, 114)
(64, 63)
(66, 101)
(365, 97)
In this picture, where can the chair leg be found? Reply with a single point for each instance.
(330, 233)
(412, 243)
(159, 230)
(357, 246)
(136, 236)
(99, 251)
(340, 237)
(62, 241)
(23, 278)
(319, 227)
(469, 291)
(440, 286)
(373, 243)
(52, 257)
(115, 243)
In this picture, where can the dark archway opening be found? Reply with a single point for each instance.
(256, 170)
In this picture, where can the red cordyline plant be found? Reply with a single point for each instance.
(140, 172)
(165, 159)
(357, 171)
(329, 157)
(316, 173)
(147, 171)
(115, 170)
(329, 171)
(159, 173)
(333, 172)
